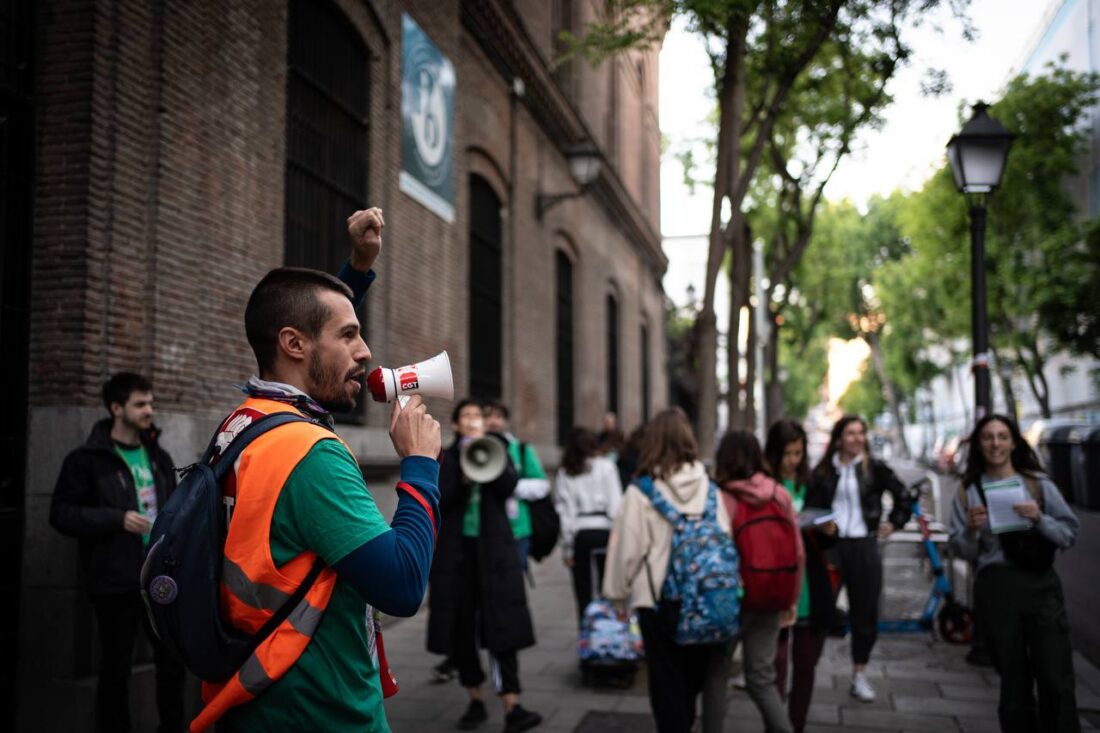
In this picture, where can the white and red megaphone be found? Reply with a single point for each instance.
(430, 378)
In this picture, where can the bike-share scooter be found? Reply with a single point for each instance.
(955, 621)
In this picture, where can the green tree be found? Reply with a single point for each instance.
(759, 50)
(1042, 271)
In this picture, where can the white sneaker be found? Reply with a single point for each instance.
(861, 688)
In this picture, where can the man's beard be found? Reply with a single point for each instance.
(328, 385)
(139, 426)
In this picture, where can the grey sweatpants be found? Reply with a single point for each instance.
(759, 636)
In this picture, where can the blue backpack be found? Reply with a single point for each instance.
(181, 576)
(699, 601)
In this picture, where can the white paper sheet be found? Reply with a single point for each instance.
(999, 497)
(815, 517)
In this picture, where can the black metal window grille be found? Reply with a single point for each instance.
(612, 354)
(644, 348)
(486, 303)
(328, 88)
(563, 342)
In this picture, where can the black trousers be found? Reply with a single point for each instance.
(861, 573)
(677, 674)
(585, 543)
(466, 654)
(118, 618)
(1027, 635)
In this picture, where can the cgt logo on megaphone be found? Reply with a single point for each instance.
(407, 380)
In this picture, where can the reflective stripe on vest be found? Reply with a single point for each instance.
(252, 588)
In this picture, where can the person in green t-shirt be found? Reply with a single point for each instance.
(310, 354)
(785, 451)
(107, 495)
(533, 484)
(478, 598)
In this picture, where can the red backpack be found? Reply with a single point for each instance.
(766, 540)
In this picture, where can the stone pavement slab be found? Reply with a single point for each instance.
(922, 684)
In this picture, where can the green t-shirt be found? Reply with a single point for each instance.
(137, 458)
(334, 685)
(518, 512)
(798, 495)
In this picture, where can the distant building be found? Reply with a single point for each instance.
(159, 157)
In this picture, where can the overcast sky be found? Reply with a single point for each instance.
(900, 155)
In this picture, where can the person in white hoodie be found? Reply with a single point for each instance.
(587, 497)
(638, 560)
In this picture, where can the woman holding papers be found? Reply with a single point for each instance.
(1009, 519)
(850, 483)
(785, 451)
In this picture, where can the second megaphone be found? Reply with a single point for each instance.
(483, 459)
(430, 378)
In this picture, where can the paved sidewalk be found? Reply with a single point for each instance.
(922, 685)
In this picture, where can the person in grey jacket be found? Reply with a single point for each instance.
(1018, 595)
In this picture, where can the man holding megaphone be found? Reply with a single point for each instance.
(297, 500)
(477, 590)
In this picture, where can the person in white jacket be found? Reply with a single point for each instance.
(637, 563)
(587, 497)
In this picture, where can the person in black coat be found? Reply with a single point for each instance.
(477, 591)
(107, 496)
(850, 483)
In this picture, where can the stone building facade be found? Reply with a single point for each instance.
(168, 154)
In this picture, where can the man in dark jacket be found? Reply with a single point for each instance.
(477, 592)
(107, 496)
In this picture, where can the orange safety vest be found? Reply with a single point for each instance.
(252, 588)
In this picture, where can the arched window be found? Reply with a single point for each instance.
(326, 138)
(612, 354)
(486, 351)
(563, 342)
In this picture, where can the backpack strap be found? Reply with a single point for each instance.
(225, 461)
(710, 508)
(1034, 488)
(660, 503)
(288, 607)
(245, 438)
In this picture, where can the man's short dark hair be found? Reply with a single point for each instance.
(287, 296)
(496, 406)
(462, 405)
(117, 389)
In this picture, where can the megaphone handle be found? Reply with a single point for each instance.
(403, 400)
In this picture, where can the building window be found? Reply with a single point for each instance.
(486, 349)
(644, 348)
(563, 342)
(326, 146)
(612, 354)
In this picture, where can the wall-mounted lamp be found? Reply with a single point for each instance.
(584, 165)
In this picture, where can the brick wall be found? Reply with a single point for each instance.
(159, 203)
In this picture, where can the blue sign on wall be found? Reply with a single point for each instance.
(427, 121)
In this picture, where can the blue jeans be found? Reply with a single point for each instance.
(523, 545)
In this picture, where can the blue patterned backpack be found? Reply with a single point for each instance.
(699, 601)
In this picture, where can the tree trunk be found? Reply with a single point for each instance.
(740, 277)
(1038, 362)
(748, 417)
(731, 103)
(773, 388)
(901, 445)
(1036, 380)
(1006, 384)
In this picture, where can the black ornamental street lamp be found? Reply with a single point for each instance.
(977, 155)
(584, 166)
